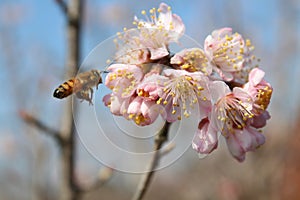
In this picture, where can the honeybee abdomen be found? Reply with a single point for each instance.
(64, 89)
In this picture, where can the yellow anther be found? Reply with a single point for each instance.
(140, 93)
(228, 38)
(188, 78)
(248, 43)
(240, 57)
(143, 12)
(131, 116)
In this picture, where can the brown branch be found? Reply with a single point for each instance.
(69, 188)
(63, 6)
(167, 149)
(103, 177)
(160, 139)
(31, 120)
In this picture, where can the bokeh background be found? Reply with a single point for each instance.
(32, 60)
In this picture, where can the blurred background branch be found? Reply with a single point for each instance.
(160, 139)
(63, 6)
(33, 121)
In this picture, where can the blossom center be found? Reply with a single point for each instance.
(182, 91)
(233, 112)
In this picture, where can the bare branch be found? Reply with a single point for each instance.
(69, 190)
(160, 139)
(31, 120)
(63, 6)
(104, 175)
(167, 149)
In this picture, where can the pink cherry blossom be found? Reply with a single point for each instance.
(158, 31)
(221, 83)
(259, 89)
(230, 109)
(123, 79)
(165, 20)
(130, 49)
(232, 115)
(192, 60)
(229, 53)
(184, 91)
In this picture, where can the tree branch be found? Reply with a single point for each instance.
(31, 120)
(63, 6)
(160, 139)
(103, 176)
(69, 189)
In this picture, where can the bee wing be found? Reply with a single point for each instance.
(88, 79)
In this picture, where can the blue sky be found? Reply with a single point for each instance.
(38, 39)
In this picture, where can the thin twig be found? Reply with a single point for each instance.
(167, 149)
(103, 177)
(63, 6)
(160, 139)
(30, 119)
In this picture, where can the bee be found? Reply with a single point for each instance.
(81, 85)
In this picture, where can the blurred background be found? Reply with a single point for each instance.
(32, 59)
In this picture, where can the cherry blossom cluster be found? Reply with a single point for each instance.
(222, 81)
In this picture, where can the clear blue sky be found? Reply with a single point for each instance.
(40, 33)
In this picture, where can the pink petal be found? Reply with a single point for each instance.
(218, 90)
(235, 148)
(205, 139)
(157, 53)
(178, 24)
(150, 110)
(106, 99)
(256, 76)
(135, 106)
(260, 120)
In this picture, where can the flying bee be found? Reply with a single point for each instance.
(81, 85)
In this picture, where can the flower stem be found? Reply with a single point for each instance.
(160, 139)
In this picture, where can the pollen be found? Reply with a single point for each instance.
(184, 93)
(248, 43)
(263, 97)
(159, 101)
(108, 61)
(233, 112)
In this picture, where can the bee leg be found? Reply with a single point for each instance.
(91, 97)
